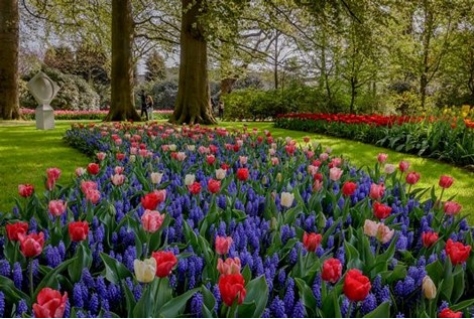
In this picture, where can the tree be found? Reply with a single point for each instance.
(9, 48)
(60, 58)
(193, 103)
(156, 68)
(123, 102)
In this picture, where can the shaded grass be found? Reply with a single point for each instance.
(365, 155)
(26, 153)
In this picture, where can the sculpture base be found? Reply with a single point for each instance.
(44, 115)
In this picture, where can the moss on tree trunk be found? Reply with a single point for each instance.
(9, 46)
(193, 103)
(122, 106)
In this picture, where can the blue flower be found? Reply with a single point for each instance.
(298, 310)
(278, 308)
(21, 308)
(196, 305)
(17, 275)
(369, 304)
(2, 304)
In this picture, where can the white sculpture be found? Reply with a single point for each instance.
(44, 90)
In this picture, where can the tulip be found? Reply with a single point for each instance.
(381, 211)
(370, 228)
(242, 174)
(429, 238)
(389, 169)
(78, 231)
(335, 173)
(156, 177)
(152, 220)
(223, 244)
(376, 191)
(189, 179)
(229, 266)
(457, 252)
(287, 199)
(93, 168)
(452, 208)
(221, 173)
(384, 234)
(404, 166)
(232, 287)
(446, 181)
(118, 179)
(210, 159)
(50, 304)
(349, 188)
(57, 207)
(53, 173)
(195, 188)
(14, 230)
(448, 313)
(356, 286)
(25, 190)
(31, 245)
(165, 261)
(311, 241)
(382, 157)
(213, 186)
(413, 178)
(332, 270)
(145, 271)
(429, 288)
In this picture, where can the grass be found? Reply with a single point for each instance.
(26, 153)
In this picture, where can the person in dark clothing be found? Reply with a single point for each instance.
(143, 102)
(221, 109)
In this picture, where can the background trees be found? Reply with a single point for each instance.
(354, 56)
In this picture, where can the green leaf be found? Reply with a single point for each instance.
(209, 302)
(115, 271)
(129, 299)
(306, 295)
(11, 292)
(84, 260)
(382, 311)
(462, 305)
(257, 292)
(175, 306)
(50, 278)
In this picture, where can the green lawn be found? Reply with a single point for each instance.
(26, 153)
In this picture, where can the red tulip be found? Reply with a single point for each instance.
(14, 230)
(53, 173)
(50, 304)
(31, 245)
(413, 178)
(242, 174)
(165, 261)
(151, 200)
(349, 188)
(457, 252)
(93, 168)
(232, 287)
(311, 241)
(429, 238)
(382, 157)
(210, 159)
(356, 285)
(214, 186)
(25, 190)
(195, 188)
(78, 231)
(404, 166)
(446, 181)
(448, 313)
(332, 270)
(381, 211)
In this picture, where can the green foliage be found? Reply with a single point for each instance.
(155, 67)
(252, 104)
(443, 140)
(74, 93)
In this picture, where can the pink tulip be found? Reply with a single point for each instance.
(57, 207)
(152, 220)
(223, 244)
(335, 173)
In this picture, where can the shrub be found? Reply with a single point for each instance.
(74, 94)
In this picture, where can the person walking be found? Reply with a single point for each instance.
(143, 104)
(149, 106)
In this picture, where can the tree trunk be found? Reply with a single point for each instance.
(275, 65)
(122, 106)
(353, 94)
(193, 103)
(9, 46)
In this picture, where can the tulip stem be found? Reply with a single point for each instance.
(31, 278)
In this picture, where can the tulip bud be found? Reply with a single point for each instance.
(145, 270)
(429, 288)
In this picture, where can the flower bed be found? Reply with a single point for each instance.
(29, 114)
(190, 221)
(450, 139)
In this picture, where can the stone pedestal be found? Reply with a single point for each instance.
(44, 115)
(44, 90)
